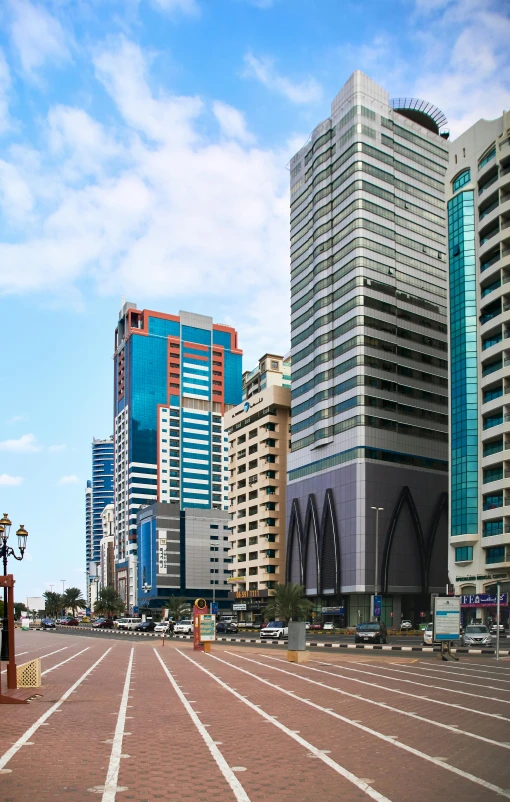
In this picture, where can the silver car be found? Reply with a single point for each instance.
(476, 635)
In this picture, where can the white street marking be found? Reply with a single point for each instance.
(64, 661)
(110, 786)
(450, 727)
(388, 739)
(239, 792)
(363, 786)
(53, 709)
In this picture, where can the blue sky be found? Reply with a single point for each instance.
(143, 153)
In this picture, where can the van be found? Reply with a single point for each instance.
(128, 623)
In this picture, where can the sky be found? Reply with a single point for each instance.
(144, 147)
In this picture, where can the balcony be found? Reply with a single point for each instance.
(493, 258)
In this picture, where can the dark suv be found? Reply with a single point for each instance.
(47, 623)
(371, 632)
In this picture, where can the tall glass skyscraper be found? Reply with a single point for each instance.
(98, 493)
(369, 357)
(478, 195)
(174, 378)
(102, 488)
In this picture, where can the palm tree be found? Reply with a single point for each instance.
(108, 602)
(288, 604)
(177, 606)
(72, 598)
(54, 603)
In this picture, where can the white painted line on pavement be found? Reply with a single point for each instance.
(450, 690)
(482, 667)
(110, 786)
(46, 655)
(421, 684)
(238, 790)
(428, 699)
(64, 662)
(387, 738)
(53, 709)
(462, 674)
(363, 786)
(364, 698)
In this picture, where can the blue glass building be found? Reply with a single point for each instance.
(175, 375)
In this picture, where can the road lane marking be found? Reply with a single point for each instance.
(228, 773)
(363, 786)
(64, 661)
(53, 709)
(456, 681)
(462, 674)
(110, 786)
(453, 728)
(498, 716)
(387, 738)
(46, 655)
(444, 667)
(412, 682)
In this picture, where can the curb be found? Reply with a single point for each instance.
(259, 641)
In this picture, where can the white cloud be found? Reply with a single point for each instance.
(23, 445)
(154, 207)
(189, 7)
(68, 480)
(232, 122)
(10, 481)
(460, 59)
(57, 449)
(5, 85)
(37, 35)
(263, 69)
(16, 419)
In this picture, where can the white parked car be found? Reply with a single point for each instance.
(328, 627)
(427, 635)
(161, 627)
(184, 627)
(476, 635)
(406, 624)
(128, 623)
(274, 630)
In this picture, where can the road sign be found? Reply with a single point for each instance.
(207, 628)
(214, 608)
(377, 606)
(446, 619)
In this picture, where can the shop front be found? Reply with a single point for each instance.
(482, 608)
(249, 605)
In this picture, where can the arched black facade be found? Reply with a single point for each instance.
(318, 547)
(423, 544)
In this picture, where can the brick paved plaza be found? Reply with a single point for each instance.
(139, 721)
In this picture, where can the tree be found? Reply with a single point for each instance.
(54, 604)
(288, 604)
(177, 606)
(108, 602)
(19, 607)
(72, 598)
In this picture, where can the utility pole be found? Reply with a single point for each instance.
(498, 613)
(376, 578)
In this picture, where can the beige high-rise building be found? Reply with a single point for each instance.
(259, 436)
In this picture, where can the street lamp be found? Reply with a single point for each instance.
(6, 552)
(376, 577)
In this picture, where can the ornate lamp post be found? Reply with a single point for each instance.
(6, 552)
